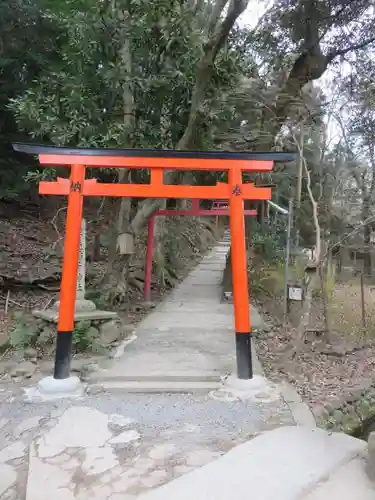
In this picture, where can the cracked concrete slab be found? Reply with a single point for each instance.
(3, 422)
(8, 476)
(27, 425)
(83, 452)
(79, 427)
(286, 463)
(46, 480)
(13, 451)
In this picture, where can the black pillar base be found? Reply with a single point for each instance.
(63, 355)
(243, 356)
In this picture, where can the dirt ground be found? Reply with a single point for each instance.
(326, 368)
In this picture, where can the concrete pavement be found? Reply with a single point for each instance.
(151, 447)
(108, 446)
(289, 463)
(187, 343)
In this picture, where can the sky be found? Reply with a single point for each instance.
(253, 12)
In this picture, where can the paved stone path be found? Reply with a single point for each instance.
(187, 342)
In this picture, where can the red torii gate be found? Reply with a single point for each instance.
(76, 187)
(194, 211)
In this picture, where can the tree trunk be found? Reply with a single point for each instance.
(312, 271)
(96, 248)
(220, 33)
(310, 281)
(367, 264)
(158, 255)
(366, 209)
(326, 309)
(211, 48)
(121, 268)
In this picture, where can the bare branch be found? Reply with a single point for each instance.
(357, 46)
(54, 224)
(310, 277)
(315, 211)
(215, 12)
(355, 231)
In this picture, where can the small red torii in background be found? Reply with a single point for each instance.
(219, 208)
(157, 161)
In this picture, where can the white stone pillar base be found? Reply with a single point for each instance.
(49, 389)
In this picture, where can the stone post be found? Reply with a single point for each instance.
(81, 277)
(85, 310)
(82, 305)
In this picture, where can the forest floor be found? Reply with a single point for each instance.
(327, 369)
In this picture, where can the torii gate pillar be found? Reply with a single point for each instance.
(239, 277)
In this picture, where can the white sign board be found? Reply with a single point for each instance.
(295, 293)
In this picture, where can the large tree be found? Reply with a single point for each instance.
(357, 121)
(28, 43)
(311, 36)
(134, 76)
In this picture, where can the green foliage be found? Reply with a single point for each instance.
(23, 332)
(37, 175)
(79, 98)
(95, 294)
(269, 243)
(65, 74)
(13, 184)
(28, 42)
(85, 337)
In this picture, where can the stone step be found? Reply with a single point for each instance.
(170, 377)
(159, 387)
(186, 307)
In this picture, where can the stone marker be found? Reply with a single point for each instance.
(85, 309)
(81, 277)
(49, 388)
(82, 305)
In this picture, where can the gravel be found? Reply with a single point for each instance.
(157, 414)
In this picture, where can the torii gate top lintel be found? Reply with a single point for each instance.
(149, 158)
